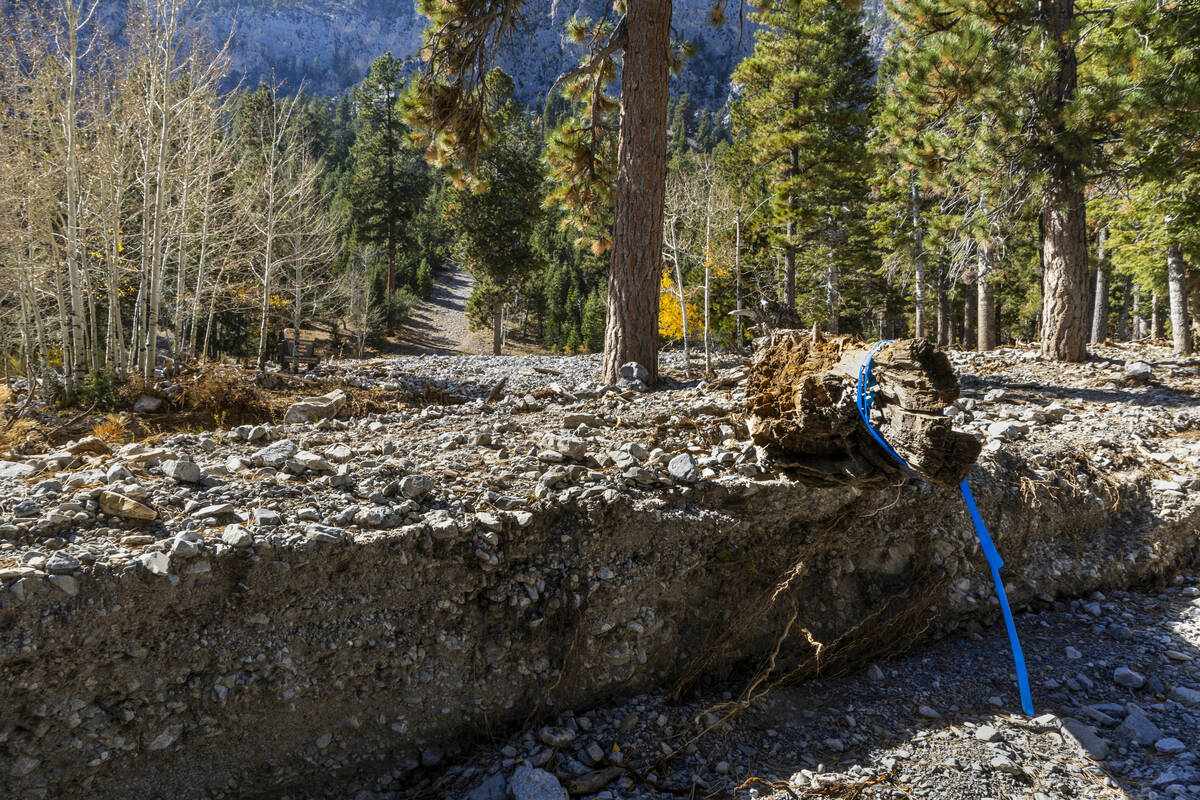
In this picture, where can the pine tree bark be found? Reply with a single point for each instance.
(1063, 210)
(1126, 310)
(970, 315)
(497, 329)
(918, 265)
(631, 330)
(943, 310)
(1181, 333)
(1100, 313)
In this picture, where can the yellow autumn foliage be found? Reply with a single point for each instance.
(670, 321)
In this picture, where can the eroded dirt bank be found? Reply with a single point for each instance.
(292, 622)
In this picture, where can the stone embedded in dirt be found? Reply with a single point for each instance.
(236, 536)
(1185, 696)
(309, 409)
(528, 783)
(339, 453)
(265, 517)
(633, 371)
(314, 462)
(569, 446)
(493, 787)
(1139, 727)
(415, 487)
(168, 737)
(573, 421)
(88, 445)
(182, 471)
(274, 455)
(1124, 676)
(1006, 429)
(156, 563)
(1138, 372)
(117, 472)
(118, 505)
(1170, 746)
(324, 533)
(15, 469)
(556, 737)
(591, 782)
(1085, 738)
(683, 468)
(67, 584)
(147, 404)
(61, 563)
(986, 733)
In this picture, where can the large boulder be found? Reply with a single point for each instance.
(325, 406)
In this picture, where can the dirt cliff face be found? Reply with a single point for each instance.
(318, 599)
(268, 667)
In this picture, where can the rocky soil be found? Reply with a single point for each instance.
(1116, 684)
(497, 443)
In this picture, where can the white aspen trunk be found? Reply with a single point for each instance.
(1181, 333)
(986, 305)
(708, 258)
(73, 368)
(737, 270)
(202, 262)
(166, 46)
(1100, 309)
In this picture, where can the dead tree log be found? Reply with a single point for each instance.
(801, 394)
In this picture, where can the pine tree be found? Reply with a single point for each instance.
(389, 181)
(1026, 101)
(460, 41)
(803, 117)
(493, 218)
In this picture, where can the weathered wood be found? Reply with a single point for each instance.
(802, 408)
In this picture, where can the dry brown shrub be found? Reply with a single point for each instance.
(111, 429)
(228, 396)
(16, 436)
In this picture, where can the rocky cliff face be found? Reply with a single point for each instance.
(326, 46)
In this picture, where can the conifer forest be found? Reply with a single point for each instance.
(1019, 173)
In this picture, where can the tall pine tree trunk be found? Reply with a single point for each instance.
(1156, 321)
(918, 265)
(831, 297)
(1181, 334)
(1100, 313)
(943, 310)
(1063, 210)
(1126, 310)
(631, 330)
(1139, 322)
(970, 315)
(497, 329)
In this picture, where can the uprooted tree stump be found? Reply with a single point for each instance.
(802, 407)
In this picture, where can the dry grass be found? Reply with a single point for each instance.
(15, 436)
(111, 429)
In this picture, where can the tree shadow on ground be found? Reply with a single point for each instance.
(970, 681)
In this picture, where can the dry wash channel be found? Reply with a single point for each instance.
(303, 653)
